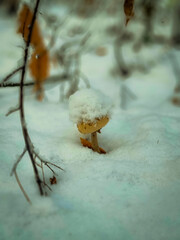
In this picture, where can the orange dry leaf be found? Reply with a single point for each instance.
(39, 67)
(40, 62)
(86, 143)
(128, 9)
(24, 21)
(53, 180)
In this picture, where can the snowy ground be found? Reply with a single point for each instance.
(132, 192)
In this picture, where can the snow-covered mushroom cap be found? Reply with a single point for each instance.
(89, 106)
(90, 127)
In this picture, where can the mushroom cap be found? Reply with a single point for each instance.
(91, 127)
(89, 105)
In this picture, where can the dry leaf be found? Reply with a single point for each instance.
(88, 144)
(39, 67)
(24, 20)
(39, 64)
(53, 180)
(128, 9)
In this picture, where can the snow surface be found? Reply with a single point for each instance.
(88, 105)
(131, 193)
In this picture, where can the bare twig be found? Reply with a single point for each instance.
(53, 79)
(5, 85)
(10, 75)
(38, 165)
(46, 185)
(28, 143)
(21, 187)
(12, 110)
(21, 101)
(17, 178)
(44, 181)
(47, 162)
(17, 162)
(51, 169)
(43, 172)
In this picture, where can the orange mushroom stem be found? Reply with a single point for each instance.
(93, 128)
(94, 142)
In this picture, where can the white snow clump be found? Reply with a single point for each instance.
(88, 105)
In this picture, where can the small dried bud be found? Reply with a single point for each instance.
(129, 9)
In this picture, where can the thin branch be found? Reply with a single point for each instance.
(21, 187)
(38, 165)
(10, 75)
(28, 143)
(46, 162)
(17, 178)
(43, 172)
(12, 110)
(21, 101)
(46, 165)
(44, 181)
(54, 165)
(46, 185)
(4, 85)
(51, 169)
(53, 79)
(18, 160)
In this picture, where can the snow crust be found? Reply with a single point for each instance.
(88, 105)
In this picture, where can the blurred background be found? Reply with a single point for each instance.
(90, 45)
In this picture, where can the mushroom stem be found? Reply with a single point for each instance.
(94, 142)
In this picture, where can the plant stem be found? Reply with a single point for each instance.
(10, 75)
(94, 142)
(21, 102)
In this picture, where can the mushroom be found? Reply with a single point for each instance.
(90, 110)
(93, 128)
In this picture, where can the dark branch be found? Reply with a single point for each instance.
(53, 79)
(28, 143)
(4, 85)
(17, 162)
(46, 162)
(12, 110)
(10, 75)
(21, 102)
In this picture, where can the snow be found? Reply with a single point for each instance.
(132, 192)
(88, 105)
